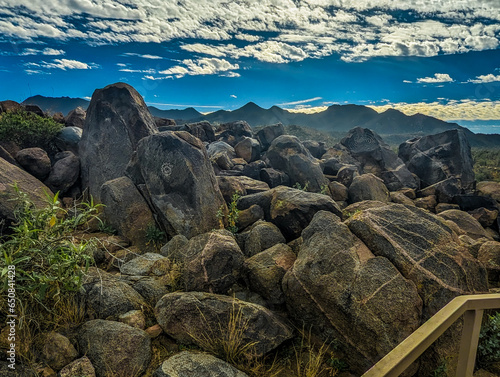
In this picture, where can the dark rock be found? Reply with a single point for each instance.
(489, 254)
(149, 264)
(265, 272)
(262, 236)
(190, 364)
(64, 173)
(435, 158)
(267, 134)
(445, 191)
(79, 367)
(76, 118)
(252, 170)
(472, 202)
(164, 122)
(133, 318)
(153, 288)
(290, 209)
(233, 132)
(126, 210)
(485, 216)
(336, 281)
(117, 118)
(248, 149)
(175, 246)
(331, 166)
(428, 203)
(376, 157)
(115, 348)
(466, 222)
(35, 161)
(222, 154)
(441, 207)
(58, 351)
(240, 185)
(338, 191)
(35, 109)
(181, 183)
(317, 148)
(10, 175)
(203, 131)
(195, 317)
(400, 198)
(8, 157)
(287, 154)
(58, 117)
(7, 106)
(346, 174)
(368, 187)
(489, 189)
(249, 216)
(69, 138)
(356, 208)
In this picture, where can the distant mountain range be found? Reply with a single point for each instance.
(336, 118)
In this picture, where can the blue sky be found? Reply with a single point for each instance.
(440, 57)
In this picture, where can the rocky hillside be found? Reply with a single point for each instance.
(226, 231)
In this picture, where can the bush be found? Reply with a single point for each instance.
(486, 164)
(29, 130)
(488, 350)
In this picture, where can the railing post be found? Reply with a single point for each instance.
(469, 342)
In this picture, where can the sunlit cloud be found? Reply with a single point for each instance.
(437, 78)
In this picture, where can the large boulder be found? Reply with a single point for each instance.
(368, 187)
(248, 149)
(69, 138)
(148, 264)
(337, 282)
(117, 118)
(202, 130)
(289, 155)
(489, 254)
(127, 211)
(204, 318)
(267, 134)
(35, 161)
(179, 178)
(376, 157)
(261, 236)
(290, 209)
(115, 348)
(76, 117)
(64, 172)
(434, 158)
(234, 132)
(10, 175)
(465, 222)
(57, 351)
(211, 262)
(489, 189)
(190, 364)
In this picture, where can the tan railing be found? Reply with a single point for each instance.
(472, 306)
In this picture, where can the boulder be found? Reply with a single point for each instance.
(35, 161)
(69, 138)
(346, 174)
(466, 222)
(336, 281)
(489, 254)
(152, 288)
(472, 202)
(212, 262)
(287, 154)
(267, 134)
(376, 157)
(105, 296)
(58, 351)
(234, 132)
(338, 191)
(180, 182)
(127, 211)
(445, 191)
(434, 158)
(64, 172)
(202, 130)
(290, 209)
(317, 148)
(262, 236)
(368, 187)
(489, 189)
(190, 364)
(356, 208)
(202, 318)
(76, 118)
(252, 170)
(331, 166)
(165, 122)
(35, 109)
(400, 198)
(117, 118)
(427, 202)
(10, 175)
(149, 264)
(248, 149)
(484, 216)
(79, 367)
(441, 207)
(115, 348)
(8, 105)
(249, 216)
(175, 246)
(239, 185)
(133, 318)
(274, 178)
(265, 270)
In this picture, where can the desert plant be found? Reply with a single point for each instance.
(298, 186)
(230, 219)
(27, 129)
(154, 236)
(312, 360)
(488, 350)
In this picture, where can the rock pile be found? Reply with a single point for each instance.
(318, 237)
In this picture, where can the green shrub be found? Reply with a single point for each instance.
(488, 350)
(232, 216)
(28, 129)
(154, 236)
(486, 164)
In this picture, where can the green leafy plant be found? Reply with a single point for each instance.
(232, 216)
(154, 236)
(488, 350)
(298, 186)
(28, 130)
(441, 370)
(106, 228)
(325, 190)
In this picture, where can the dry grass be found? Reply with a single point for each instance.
(310, 359)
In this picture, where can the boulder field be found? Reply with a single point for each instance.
(263, 232)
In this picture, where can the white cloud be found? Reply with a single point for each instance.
(301, 102)
(437, 78)
(233, 96)
(203, 66)
(137, 70)
(63, 64)
(145, 56)
(482, 79)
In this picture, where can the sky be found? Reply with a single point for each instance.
(436, 57)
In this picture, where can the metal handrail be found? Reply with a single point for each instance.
(472, 306)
